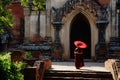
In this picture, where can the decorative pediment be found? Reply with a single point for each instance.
(92, 5)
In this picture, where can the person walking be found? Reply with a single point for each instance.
(78, 54)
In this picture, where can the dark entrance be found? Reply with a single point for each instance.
(80, 30)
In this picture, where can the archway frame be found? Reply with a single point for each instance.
(65, 32)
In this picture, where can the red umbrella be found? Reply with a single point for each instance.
(80, 44)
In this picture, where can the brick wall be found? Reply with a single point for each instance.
(18, 23)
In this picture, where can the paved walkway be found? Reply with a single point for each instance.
(69, 66)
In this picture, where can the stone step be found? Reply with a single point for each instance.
(75, 78)
(77, 75)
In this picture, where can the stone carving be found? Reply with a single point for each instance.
(5, 39)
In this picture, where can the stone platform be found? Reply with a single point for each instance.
(69, 66)
(66, 71)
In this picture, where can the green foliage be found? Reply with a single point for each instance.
(28, 54)
(10, 70)
(3, 3)
(38, 4)
(24, 3)
(6, 18)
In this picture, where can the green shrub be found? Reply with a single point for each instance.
(10, 70)
(28, 54)
(6, 17)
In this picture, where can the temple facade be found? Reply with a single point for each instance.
(94, 22)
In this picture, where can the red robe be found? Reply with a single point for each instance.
(78, 55)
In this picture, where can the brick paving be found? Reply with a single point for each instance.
(69, 66)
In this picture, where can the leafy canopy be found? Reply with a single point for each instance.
(38, 4)
(6, 18)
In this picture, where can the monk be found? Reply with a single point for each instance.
(78, 54)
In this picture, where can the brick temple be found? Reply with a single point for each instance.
(54, 30)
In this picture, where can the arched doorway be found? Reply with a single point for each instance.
(80, 30)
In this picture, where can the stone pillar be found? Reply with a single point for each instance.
(119, 23)
(48, 17)
(48, 37)
(101, 25)
(102, 22)
(58, 49)
(118, 16)
(113, 17)
(57, 26)
(27, 24)
(101, 47)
